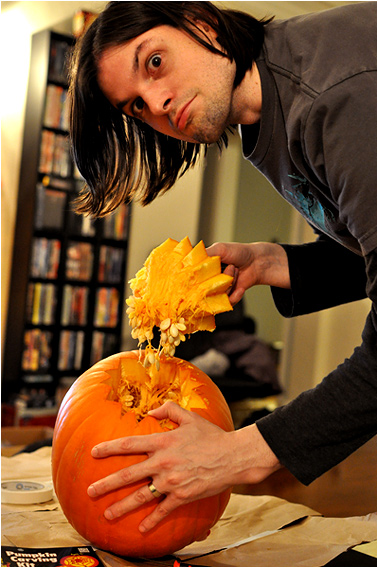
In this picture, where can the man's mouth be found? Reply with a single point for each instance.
(183, 115)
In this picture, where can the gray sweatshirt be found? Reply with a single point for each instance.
(316, 144)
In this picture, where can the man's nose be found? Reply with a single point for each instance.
(158, 100)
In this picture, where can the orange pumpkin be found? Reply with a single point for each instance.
(109, 401)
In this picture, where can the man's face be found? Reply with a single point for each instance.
(172, 83)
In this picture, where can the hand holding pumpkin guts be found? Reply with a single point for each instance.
(252, 264)
(195, 461)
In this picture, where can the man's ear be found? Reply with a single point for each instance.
(207, 31)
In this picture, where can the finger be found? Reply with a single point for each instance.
(120, 478)
(226, 251)
(233, 271)
(126, 445)
(172, 411)
(163, 509)
(133, 501)
(215, 249)
(236, 295)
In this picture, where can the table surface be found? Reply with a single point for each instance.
(246, 516)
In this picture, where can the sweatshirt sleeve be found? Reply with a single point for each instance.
(323, 274)
(324, 425)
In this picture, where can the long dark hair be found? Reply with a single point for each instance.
(118, 156)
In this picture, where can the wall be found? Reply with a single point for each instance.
(262, 215)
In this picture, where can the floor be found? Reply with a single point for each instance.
(349, 489)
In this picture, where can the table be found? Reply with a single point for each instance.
(254, 530)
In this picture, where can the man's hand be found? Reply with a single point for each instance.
(194, 461)
(252, 264)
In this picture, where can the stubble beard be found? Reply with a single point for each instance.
(208, 128)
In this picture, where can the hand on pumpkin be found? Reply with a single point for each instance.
(194, 461)
(252, 264)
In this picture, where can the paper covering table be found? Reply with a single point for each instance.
(253, 531)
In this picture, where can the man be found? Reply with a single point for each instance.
(154, 82)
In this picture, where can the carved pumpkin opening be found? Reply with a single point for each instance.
(139, 389)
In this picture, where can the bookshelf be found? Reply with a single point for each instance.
(67, 282)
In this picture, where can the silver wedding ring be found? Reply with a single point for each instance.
(154, 491)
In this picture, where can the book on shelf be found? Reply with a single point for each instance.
(79, 261)
(111, 261)
(106, 310)
(58, 183)
(49, 208)
(37, 350)
(80, 225)
(46, 152)
(45, 258)
(55, 155)
(41, 303)
(56, 113)
(71, 348)
(103, 345)
(75, 304)
(59, 57)
(116, 223)
(61, 165)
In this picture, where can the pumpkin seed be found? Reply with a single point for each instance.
(173, 330)
(165, 324)
(163, 338)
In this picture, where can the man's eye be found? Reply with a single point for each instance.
(138, 105)
(155, 61)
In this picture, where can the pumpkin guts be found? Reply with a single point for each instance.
(178, 291)
(144, 392)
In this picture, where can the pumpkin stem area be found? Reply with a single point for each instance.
(139, 389)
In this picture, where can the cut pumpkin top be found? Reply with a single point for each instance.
(179, 290)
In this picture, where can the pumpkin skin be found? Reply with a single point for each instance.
(87, 417)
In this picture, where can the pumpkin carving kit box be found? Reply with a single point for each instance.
(63, 556)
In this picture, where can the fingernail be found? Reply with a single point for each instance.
(92, 491)
(94, 452)
(108, 515)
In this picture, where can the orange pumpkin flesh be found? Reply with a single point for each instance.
(110, 401)
(178, 290)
